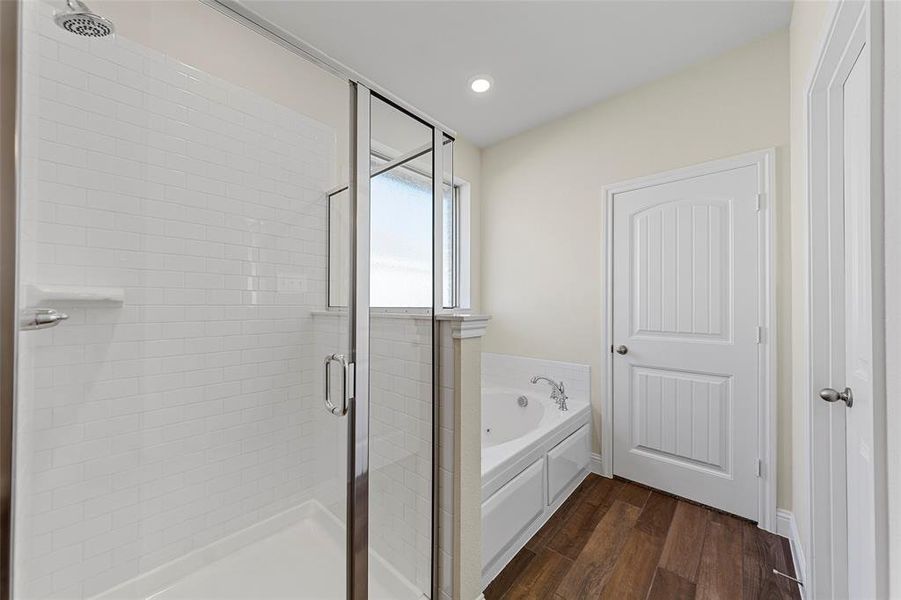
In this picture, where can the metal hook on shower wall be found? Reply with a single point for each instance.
(40, 318)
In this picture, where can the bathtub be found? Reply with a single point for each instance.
(533, 457)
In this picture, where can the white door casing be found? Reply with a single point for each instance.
(688, 276)
(846, 311)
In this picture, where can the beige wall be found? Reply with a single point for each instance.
(807, 28)
(468, 166)
(542, 271)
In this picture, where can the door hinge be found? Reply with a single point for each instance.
(761, 334)
(759, 467)
(760, 200)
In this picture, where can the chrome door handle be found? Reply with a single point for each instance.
(621, 349)
(831, 395)
(338, 411)
(40, 318)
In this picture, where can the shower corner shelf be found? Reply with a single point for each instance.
(74, 294)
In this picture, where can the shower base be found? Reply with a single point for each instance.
(302, 559)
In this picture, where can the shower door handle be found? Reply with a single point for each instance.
(338, 411)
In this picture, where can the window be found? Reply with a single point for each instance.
(451, 243)
(400, 241)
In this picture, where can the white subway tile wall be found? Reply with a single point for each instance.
(506, 370)
(400, 448)
(152, 428)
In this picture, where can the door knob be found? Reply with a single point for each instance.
(621, 349)
(831, 395)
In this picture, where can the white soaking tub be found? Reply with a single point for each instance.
(533, 457)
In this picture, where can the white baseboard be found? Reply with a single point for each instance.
(787, 527)
(596, 465)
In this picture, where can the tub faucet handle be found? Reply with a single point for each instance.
(558, 391)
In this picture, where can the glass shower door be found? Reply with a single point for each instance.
(392, 416)
(404, 259)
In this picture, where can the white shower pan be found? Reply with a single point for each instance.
(301, 555)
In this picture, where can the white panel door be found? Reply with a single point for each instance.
(685, 304)
(858, 332)
(848, 513)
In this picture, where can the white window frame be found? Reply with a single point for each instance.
(463, 247)
(464, 244)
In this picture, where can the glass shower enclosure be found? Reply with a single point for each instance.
(229, 258)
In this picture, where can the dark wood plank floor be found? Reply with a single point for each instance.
(619, 540)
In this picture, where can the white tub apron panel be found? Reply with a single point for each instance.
(509, 512)
(566, 461)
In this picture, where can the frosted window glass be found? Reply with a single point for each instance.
(401, 240)
(400, 246)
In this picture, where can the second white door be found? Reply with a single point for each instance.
(686, 291)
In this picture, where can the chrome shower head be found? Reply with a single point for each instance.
(79, 19)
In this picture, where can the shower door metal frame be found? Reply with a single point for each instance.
(9, 169)
(360, 311)
(357, 566)
(437, 305)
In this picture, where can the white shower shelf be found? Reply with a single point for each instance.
(74, 294)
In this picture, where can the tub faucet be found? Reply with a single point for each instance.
(558, 393)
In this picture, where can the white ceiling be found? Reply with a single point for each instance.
(547, 58)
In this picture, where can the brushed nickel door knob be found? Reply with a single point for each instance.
(831, 395)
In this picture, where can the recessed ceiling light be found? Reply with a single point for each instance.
(480, 84)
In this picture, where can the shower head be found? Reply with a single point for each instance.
(79, 19)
